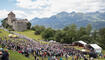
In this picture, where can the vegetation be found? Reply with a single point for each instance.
(48, 34)
(28, 25)
(15, 55)
(6, 25)
(38, 29)
(3, 33)
(30, 34)
(71, 33)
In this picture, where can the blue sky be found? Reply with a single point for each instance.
(45, 8)
(7, 4)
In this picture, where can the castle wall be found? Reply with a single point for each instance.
(19, 26)
(11, 18)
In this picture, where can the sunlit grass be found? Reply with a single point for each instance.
(30, 34)
(3, 34)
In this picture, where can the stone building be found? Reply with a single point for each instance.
(17, 24)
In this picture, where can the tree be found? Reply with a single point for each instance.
(102, 37)
(70, 34)
(86, 38)
(48, 34)
(6, 25)
(95, 37)
(59, 35)
(81, 32)
(70, 27)
(88, 29)
(38, 29)
(28, 25)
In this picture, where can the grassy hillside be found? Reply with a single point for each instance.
(17, 56)
(3, 33)
(30, 34)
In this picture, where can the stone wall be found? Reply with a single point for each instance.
(19, 26)
(11, 18)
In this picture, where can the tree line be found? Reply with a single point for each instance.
(71, 33)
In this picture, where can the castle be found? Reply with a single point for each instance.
(17, 24)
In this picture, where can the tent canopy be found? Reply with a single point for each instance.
(52, 41)
(82, 42)
(95, 46)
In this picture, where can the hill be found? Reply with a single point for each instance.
(17, 56)
(30, 34)
(60, 20)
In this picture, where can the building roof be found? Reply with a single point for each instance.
(11, 13)
(82, 42)
(95, 46)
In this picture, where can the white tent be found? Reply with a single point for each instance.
(79, 43)
(83, 50)
(96, 48)
(82, 42)
(51, 41)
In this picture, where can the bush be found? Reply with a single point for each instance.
(6, 25)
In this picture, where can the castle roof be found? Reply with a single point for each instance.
(22, 20)
(11, 13)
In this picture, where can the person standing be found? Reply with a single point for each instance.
(5, 55)
(42, 57)
(66, 56)
(60, 58)
(0, 54)
(73, 58)
(35, 57)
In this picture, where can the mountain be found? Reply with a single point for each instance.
(60, 20)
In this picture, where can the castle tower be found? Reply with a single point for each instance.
(11, 18)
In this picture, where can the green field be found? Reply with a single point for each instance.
(30, 34)
(3, 34)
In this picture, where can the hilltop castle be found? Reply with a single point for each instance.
(17, 24)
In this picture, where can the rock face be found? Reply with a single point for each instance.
(17, 24)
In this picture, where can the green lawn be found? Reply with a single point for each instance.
(16, 56)
(30, 34)
(3, 33)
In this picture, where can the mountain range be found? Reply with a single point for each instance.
(62, 19)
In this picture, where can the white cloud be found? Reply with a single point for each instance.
(55, 6)
(3, 14)
(47, 8)
(29, 4)
(19, 14)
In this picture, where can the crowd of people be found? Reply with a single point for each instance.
(54, 51)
